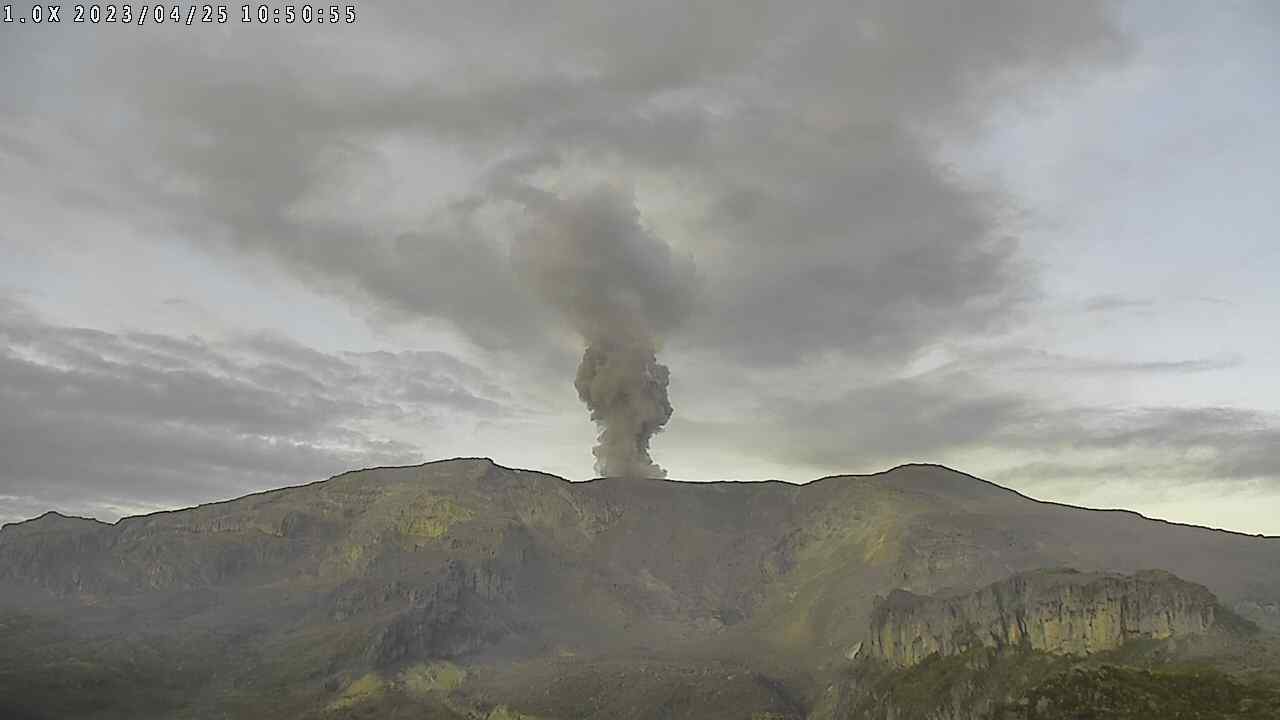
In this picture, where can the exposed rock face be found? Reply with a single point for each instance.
(1055, 611)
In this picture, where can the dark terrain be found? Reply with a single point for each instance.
(462, 589)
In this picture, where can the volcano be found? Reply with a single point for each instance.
(463, 589)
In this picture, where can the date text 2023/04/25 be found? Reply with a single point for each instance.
(178, 14)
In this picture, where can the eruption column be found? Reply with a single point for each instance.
(621, 289)
(625, 388)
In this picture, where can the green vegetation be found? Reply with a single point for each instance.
(970, 681)
(427, 678)
(1119, 693)
(362, 690)
(431, 517)
(502, 712)
(986, 684)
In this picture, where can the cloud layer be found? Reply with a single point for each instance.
(799, 142)
(760, 192)
(108, 423)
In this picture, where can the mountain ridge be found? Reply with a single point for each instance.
(348, 592)
(677, 481)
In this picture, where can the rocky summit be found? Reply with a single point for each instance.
(463, 589)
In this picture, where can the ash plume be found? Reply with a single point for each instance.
(622, 290)
(626, 391)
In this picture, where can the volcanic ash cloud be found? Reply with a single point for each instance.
(622, 289)
(626, 391)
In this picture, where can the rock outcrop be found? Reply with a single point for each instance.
(1054, 611)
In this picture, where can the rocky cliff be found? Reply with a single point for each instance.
(1054, 611)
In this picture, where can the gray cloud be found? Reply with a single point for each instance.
(102, 422)
(1112, 302)
(1198, 443)
(875, 425)
(1153, 453)
(1028, 361)
(1008, 434)
(1115, 302)
(790, 152)
(802, 142)
(826, 223)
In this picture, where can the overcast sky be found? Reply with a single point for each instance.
(1033, 240)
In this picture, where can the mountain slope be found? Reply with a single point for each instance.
(525, 583)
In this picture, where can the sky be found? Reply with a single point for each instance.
(1034, 241)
